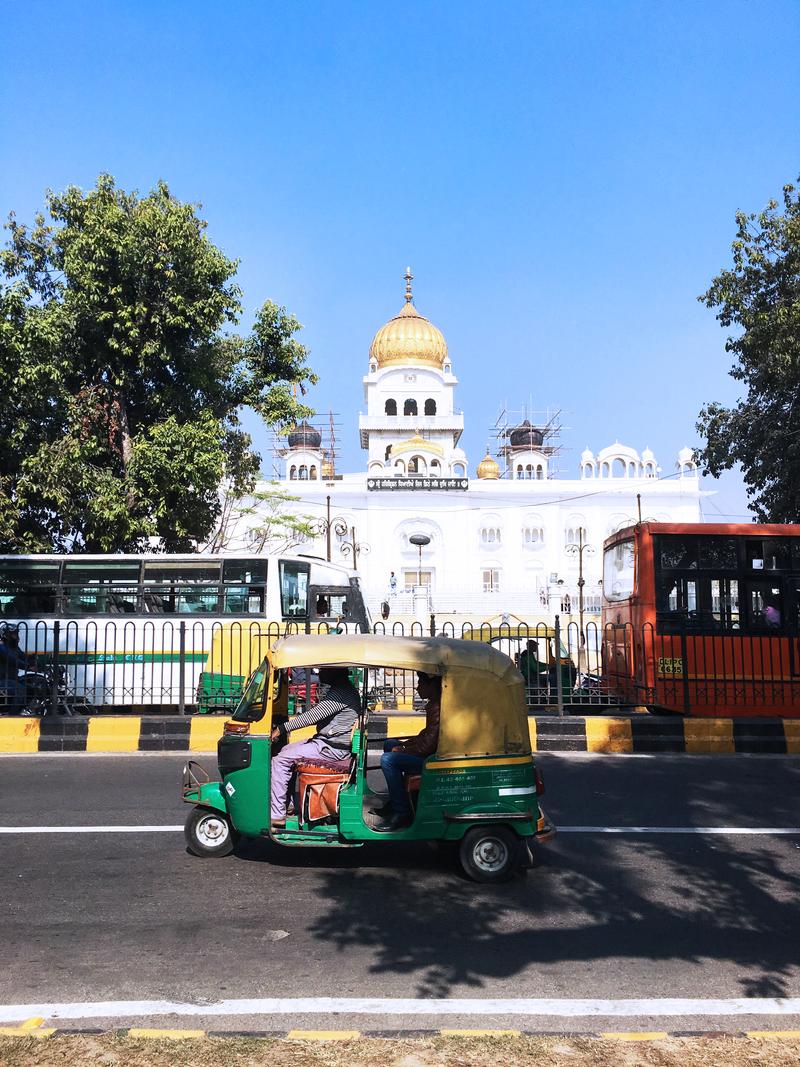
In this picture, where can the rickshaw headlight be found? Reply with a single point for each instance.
(236, 728)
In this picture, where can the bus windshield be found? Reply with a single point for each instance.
(618, 571)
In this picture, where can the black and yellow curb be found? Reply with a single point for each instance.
(33, 1028)
(549, 733)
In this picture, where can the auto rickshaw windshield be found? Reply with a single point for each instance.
(251, 707)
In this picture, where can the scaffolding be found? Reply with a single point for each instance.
(329, 430)
(547, 422)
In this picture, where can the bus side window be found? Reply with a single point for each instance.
(765, 606)
(676, 605)
(294, 589)
(725, 603)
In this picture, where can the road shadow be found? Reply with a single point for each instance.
(594, 900)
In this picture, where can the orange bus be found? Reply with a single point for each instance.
(703, 619)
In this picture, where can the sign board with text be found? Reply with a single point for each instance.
(416, 484)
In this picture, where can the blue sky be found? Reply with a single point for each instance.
(562, 178)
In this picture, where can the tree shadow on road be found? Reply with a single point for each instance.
(597, 900)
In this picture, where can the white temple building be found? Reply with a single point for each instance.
(505, 536)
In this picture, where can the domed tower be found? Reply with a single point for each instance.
(409, 394)
(303, 459)
(525, 452)
(488, 468)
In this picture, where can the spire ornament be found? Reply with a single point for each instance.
(409, 278)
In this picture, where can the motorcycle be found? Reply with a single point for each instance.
(39, 687)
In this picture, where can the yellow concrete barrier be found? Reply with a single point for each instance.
(608, 735)
(791, 729)
(204, 733)
(19, 735)
(404, 726)
(708, 735)
(114, 735)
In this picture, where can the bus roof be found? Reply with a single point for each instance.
(713, 529)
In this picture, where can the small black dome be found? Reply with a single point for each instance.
(526, 436)
(304, 436)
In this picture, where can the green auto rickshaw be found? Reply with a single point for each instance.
(480, 790)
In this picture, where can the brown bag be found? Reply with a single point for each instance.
(318, 789)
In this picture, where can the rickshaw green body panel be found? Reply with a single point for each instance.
(207, 795)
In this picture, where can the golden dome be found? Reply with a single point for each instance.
(409, 339)
(488, 468)
(327, 467)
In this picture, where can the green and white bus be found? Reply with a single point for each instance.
(169, 632)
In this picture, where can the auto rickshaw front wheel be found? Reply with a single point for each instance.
(209, 833)
(490, 853)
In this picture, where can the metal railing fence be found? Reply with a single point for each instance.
(185, 667)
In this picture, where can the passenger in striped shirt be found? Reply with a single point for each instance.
(334, 716)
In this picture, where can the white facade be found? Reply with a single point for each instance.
(506, 540)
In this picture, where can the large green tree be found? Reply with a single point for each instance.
(760, 296)
(123, 379)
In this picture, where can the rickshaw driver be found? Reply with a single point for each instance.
(335, 715)
(408, 757)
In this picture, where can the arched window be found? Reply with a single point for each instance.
(304, 473)
(400, 467)
(539, 471)
(388, 452)
(520, 471)
(532, 536)
(435, 466)
(490, 535)
(459, 470)
(390, 407)
(430, 407)
(410, 407)
(293, 473)
(618, 468)
(573, 534)
(313, 473)
(529, 471)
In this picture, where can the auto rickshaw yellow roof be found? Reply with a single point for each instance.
(483, 698)
(434, 655)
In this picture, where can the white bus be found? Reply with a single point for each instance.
(169, 632)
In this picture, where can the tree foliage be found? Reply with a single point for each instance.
(123, 380)
(760, 295)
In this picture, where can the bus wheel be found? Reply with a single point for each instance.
(489, 853)
(208, 833)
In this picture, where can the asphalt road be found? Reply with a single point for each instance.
(108, 917)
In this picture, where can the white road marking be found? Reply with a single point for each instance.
(400, 1006)
(167, 829)
(90, 829)
(731, 830)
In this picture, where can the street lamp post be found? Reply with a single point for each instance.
(353, 546)
(578, 550)
(420, 540)
(324, 526)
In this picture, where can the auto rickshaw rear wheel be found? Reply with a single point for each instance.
(490, 853)
(209, 833)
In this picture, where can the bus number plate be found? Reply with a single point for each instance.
(670, 666)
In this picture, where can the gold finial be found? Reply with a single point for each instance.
(409, 278)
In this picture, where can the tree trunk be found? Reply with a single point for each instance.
(127, 445)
